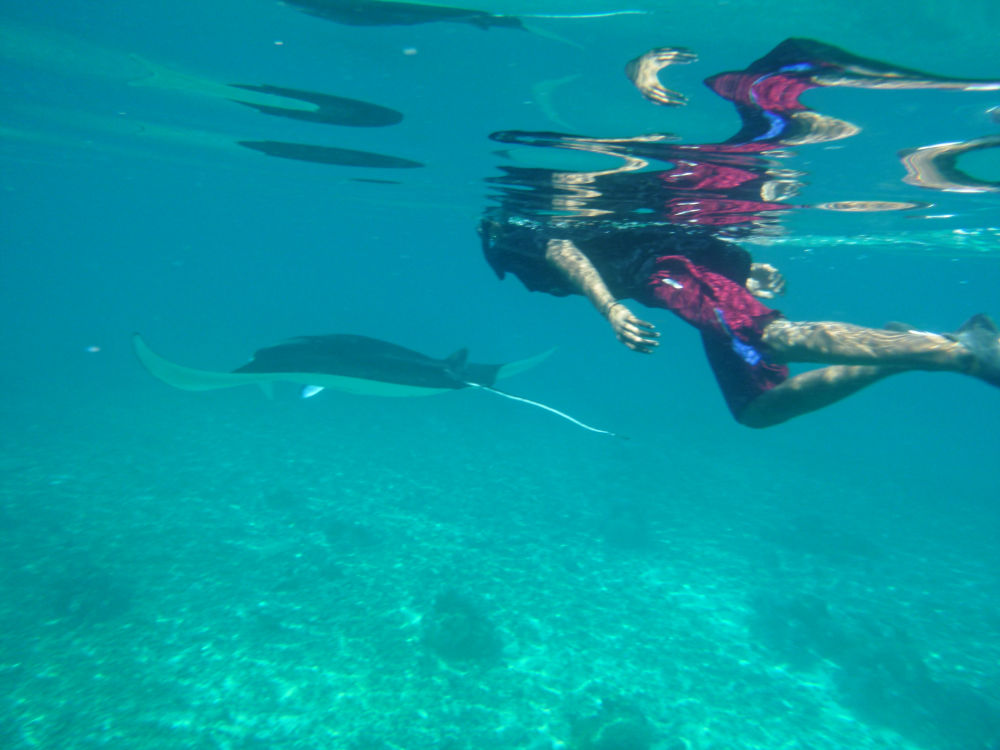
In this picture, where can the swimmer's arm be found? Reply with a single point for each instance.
(636, 334)
(577, 267)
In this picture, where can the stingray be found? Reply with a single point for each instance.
(329, 155)
(351, 363)
(382, 13)
(330, 110)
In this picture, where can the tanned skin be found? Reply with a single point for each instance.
(860, 356)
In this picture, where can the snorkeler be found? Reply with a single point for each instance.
(664, 238)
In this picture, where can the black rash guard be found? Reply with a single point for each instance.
(624, 253)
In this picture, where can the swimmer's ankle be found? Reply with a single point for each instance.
(980, 338)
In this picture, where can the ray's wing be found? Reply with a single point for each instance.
(328, 109)
(347, 157)
(191, 379)
(188, 378)
(519, 366)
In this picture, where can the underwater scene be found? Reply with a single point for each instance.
(355, 388)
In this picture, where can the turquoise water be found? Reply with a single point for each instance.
(220, 570)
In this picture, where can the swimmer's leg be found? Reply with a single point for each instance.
(866, 355)
(847, 344)
(810, 391)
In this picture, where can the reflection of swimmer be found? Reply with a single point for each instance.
(654, 237)
(766, 94)
(714, 185)
(644, 73)
(935, 166)
(869, 206)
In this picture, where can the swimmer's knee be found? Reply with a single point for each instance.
(757, 416)
(754, 422)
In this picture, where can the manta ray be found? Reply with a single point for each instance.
(351, 363)
(387, 13)
(393, 13)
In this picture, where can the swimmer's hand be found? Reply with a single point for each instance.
(765, 281)
(637, 335)
(643, 72)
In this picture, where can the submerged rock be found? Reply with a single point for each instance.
(618, 725)
(90, 595)
(458, 631)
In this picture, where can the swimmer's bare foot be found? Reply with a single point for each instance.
(643, 70)
(980, 335)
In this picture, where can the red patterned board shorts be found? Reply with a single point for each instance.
(730, 319)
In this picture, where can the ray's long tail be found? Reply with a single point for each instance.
(547, 408)
(606, 14)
